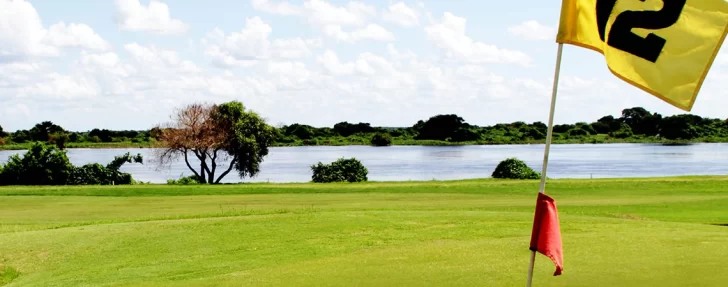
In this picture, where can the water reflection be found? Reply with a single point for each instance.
(292, 164)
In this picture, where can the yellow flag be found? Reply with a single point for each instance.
(664, 47)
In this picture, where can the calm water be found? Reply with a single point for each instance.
(292, 164)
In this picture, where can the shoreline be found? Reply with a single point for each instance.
(332, 187)
(128, 145)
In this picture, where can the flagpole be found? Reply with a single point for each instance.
(549, 134)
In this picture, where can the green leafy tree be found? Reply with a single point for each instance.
(2, 132)
(381, 139)
(641, 121)
(346, 129)
(680, 127)
(623, 132)
(41, 165)
(215, 133)
(42, 131)
(59, 139)
(341, 170)
(513, 168)
(445, 127)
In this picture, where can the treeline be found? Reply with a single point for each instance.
(634, 125)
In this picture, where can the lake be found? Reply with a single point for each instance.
(402, 163)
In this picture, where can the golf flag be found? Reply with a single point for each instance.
(546, 233)
(664, 47)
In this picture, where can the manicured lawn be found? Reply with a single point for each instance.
(631, 232)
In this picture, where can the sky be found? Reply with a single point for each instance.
(127, 64)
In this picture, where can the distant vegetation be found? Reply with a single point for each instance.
(634, 125)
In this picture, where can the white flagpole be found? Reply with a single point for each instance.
(549, 134)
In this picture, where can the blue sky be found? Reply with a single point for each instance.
(127, 64)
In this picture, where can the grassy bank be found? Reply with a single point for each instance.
(617, 232)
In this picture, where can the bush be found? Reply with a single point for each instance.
(341, 170)
(513, 168)
(41, 165)
(189, 180)
(381, 139)
(48, 165)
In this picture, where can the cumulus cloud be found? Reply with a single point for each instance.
(533, 30)
(349, 23)
(75, 35)
(449, 34)
(280, 8)
(153, 18)
(22, 32)
(370, 32)
(402, 15)
(23, 35)
(247, 47)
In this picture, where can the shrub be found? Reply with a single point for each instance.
(381, 139)
(48, 165)
(514, 168)
(189, 180)
(41, 165)
(341, 170)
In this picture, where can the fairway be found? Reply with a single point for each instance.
(616, 232)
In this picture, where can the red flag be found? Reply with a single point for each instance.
(546, 233)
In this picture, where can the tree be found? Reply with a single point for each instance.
(214, 133)
(42, 131)
(59, 139)
(2, 132)
(381, 139)
(641, 121)
(684, 127)
(346, 129)
(41, 165)
(444, 127)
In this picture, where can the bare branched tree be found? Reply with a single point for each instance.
(214, 133)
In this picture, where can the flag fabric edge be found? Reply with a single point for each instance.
(699, 84)
(547, 241)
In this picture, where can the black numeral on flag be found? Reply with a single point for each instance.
(621, 36)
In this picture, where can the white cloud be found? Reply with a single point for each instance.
(281, 8)
(333, 65)
(75, 35)
(532, 30)
(23, 36)
(57, 86)
(349, 23)
(153, 57)
(323, 13)
(449, 35)
(16, 110)
(252, 44)
(106, 63)
(402, 15)
(22, 32)
(370, 32)
(154, 18)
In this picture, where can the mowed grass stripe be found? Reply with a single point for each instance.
(633, 232)
(375, 248)
(22, 213)
(651, 186)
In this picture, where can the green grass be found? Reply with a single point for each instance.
(616, 232)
